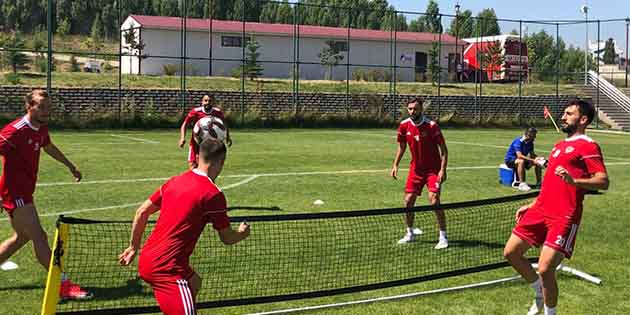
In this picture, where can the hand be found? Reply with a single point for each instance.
(244, 229)
(441, 176)
(182, 141)
(394, 172)
(76, 174)
(127, 256)
(541, 161)
(520, 212)
(564, 174)
(228, 141)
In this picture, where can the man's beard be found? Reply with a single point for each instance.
(569, 129)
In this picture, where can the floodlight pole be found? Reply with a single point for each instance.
(627, 24)
(460, 60)
(584, 10)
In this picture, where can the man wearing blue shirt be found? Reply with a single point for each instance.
(520, 156)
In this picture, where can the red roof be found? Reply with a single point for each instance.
(168, 22)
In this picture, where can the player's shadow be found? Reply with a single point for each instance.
(24, 287)
(133, 288)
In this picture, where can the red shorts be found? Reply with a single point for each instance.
(557, 233)
(415, 182)
(10, 203)
(193, 151)
(174, 297)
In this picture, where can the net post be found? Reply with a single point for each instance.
(53, 280)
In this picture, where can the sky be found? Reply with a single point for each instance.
(542, 10)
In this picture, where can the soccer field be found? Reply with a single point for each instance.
(348, 170)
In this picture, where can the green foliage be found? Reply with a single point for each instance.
(434, 62)
(63, 28)
(12, 78)
(541, 48)
(253, 68)
(74, 64)
(609, 52)
(97, 31)
(107, 66)
(41, 64)
(486, 24)
(13, 57)
(463, 25)
(329, 57)
(169, 69)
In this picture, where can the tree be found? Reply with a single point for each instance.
(541, 50)
(253, 69)
(609, 52)
(434, 62)
(491, 59)
(134, 46)
(432, 21)
(13, 57)
(486, 24)
(63, 28)
(329, 57)
(98, 31)
(269, 13)
(463, 25)
(284, 14)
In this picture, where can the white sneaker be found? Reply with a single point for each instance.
(417, 231)
(524, 187)
(408, 238)
(537, 307)
(443, 243)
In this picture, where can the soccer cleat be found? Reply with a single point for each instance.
(524, 187)
(443, 243)
(72, 291)
(417, 231)
(537, 307)
(408, 238)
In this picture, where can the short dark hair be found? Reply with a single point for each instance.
(585, 108)
(30, 97)
(211, 150)
(531, 130)
(416, 99)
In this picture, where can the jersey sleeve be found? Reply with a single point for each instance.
(518, 146)
(402, 133)
(45, 136)
(215, 211)
(156, 197)
(437, 134)
(8, 137)
(190, 117)
(593, 159)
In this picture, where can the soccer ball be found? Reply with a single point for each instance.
(209, 127)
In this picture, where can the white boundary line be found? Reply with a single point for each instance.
(135, 139)
(245, 181)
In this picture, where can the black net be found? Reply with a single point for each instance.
(297, 256)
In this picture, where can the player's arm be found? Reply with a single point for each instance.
(598, 181)
(137, 230)
(182, 132)
(402, 146)
(444, 157)
(520, 155)
(52, 150)
(229, 236)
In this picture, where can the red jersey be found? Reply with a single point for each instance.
(197, 113)
(582, 158)
(423, 140)
(187, 203)
(20, 145)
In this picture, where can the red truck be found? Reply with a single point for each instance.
(505, 57)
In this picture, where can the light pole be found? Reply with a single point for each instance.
(459, 59)
(584, 10)
(627, 24)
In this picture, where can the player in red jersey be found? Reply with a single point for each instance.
(576, 165)
(206, 109)
(187, 203)
(429, 157)
(20, 144)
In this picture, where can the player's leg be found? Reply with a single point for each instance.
(549, 260)
(25, 222)
(195, 284)
(13, 243)
(434, 200)
(174, 297)
(538, 170)
(514, 252)
(409, 202)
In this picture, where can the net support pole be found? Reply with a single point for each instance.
(578, 273)
(53, 281)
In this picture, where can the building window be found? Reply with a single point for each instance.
(232, 41)
(341, 46)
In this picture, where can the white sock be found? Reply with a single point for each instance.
(410, 231)
(537, 286)
(442, 235)
(550, 310)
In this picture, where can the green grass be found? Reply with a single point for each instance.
(100, 156)
(110, 80)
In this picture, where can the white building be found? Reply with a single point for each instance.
(595, 48)
(279, 47)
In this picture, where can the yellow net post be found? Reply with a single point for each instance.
(53, 281)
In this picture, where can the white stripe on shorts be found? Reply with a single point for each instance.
(569, 245)
(19, 202)
(186, 296)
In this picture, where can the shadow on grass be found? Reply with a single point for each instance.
(24, 287)
(468, 244)
(134, 287)
(274, 208)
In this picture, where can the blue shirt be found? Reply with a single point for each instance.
(517, 145)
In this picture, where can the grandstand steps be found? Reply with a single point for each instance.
(609, 111)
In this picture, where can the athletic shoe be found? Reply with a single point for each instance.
(524, 187)
(443, 243)
(417, 231)
(72, 291)
(537, 308)
(408, 238)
